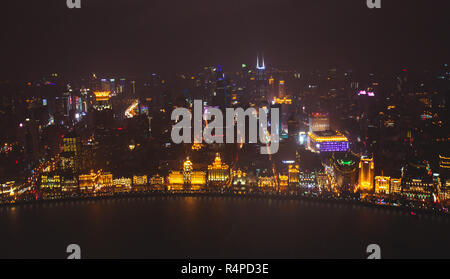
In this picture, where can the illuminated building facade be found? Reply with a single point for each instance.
(307, 179)
(188, 179)
(140, 180)
(239, 177)
(95, 181)
(176, 180)
(366, 174)
(102, 100)
(157, 180)
(8, 189)
(50, 182)
(122, 182)
(327, 141)
(218, 171)
(71, 155)
(293, 174)
(444, 172)
(323, 180)
(345, 169)
(319, 122)
(382, 185)
(283, 182)
(417, 189)
(266, 182)
(395, 185)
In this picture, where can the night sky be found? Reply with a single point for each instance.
(137, 36)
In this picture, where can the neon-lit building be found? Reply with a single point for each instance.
(327, 141)
(366, 174)
(382, 185)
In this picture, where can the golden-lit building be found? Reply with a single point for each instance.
(293, 173)
(102, 96)
(239, 177)
(8, 189)
(218, 171)
(197, 146)
(122, 182)
(266, 182)
(95, 180)
(198, 180)
(102, 100)
(87, 182)
(283, 181)
(382, 184)
(188, 178)
(323, 180)
(366, 174)
(50, 182)
(396, 186)
(282, 101)
(157, 180)
(176, 180)
(69, 184)
(140, 180)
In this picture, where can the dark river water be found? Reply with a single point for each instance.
(217, 227)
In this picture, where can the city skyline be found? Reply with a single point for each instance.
(225, 129)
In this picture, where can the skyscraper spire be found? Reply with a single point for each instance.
(258, 66)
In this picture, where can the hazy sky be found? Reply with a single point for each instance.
(137, 36)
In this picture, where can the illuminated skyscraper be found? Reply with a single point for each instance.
(261, 79)
(366, 174)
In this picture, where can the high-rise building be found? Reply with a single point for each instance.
(261, 79)
(319, 122)
(366, 174)
(345, 168)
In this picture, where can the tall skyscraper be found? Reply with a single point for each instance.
(366, 174)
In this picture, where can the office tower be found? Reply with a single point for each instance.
(366, 174)
(319, 122)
